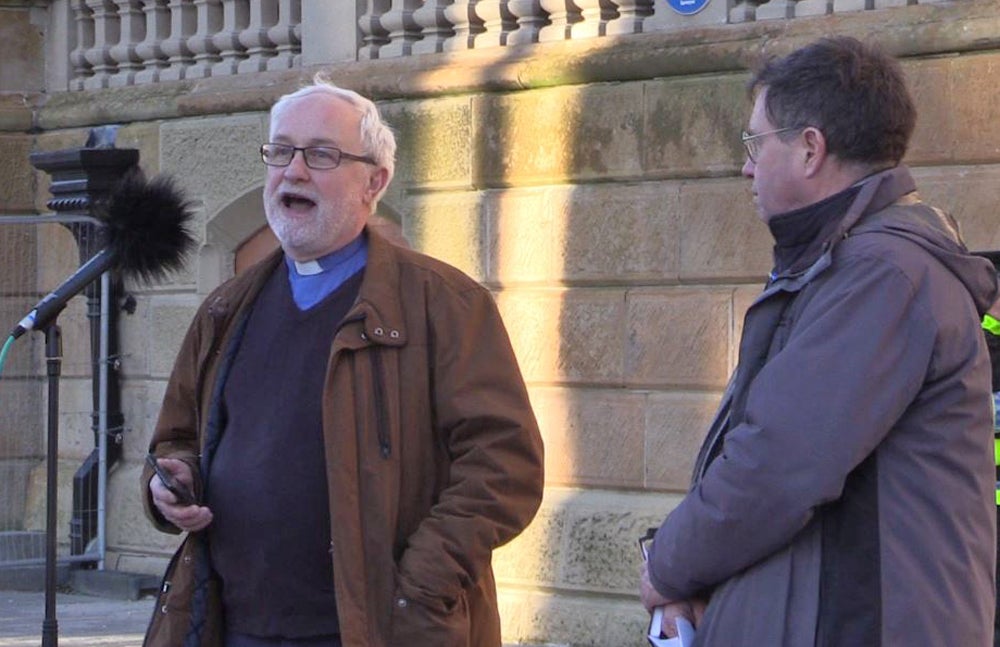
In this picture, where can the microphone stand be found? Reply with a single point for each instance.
(53, 363)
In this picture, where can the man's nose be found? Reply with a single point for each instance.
(297, 165)
(748, 168)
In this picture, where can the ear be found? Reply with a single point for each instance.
(814, 150)
(376, 182)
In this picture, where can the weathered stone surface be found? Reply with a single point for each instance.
(17, 182)
(17, 476)
(577, 621)
(597, 233)
(22, 417)
(533, 557)
(592, 437)
(216, 158)
(549, 135)
(692, 125)
(169, 318)
(975, 109)
(969, 193)
(450, 227)
(22, 50)
(721, 235)
(930, 82)
(676, 424)
(566, 335)
(433, 139)
(677, 337)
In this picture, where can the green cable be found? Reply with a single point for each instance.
(990, 324)
(5, 350)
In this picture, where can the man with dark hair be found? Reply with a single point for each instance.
(844, 494)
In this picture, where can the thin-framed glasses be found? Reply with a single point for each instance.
(753, 142)
(319, 158)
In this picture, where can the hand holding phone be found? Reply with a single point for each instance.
(178, 489)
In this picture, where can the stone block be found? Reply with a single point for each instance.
(533, 558)
(22, 49)
(975, 109)
(170, 316)
(18, 267)
(592, 437)
(970, 194)
(677, 337)
(570, 335)
(587, 233)
(524, 234)
(134, 337)
(16, 478)
(215, 158)
(930, 84)
(692, 125)
(556, 134)
(22, 416)
(843, 6)
(145, 137)
(721, 235)
(16, 111)
(17, 177)
(598, 557)
(556, 620)
(35, 501)
(433, 138)
(76, 419)
(452, 228)
(676, 424)
(141, 402)
(603, 554)
(25, 356)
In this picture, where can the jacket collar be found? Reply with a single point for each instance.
(872, 194)
(380, 304)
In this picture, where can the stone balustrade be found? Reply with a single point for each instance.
(131, 42)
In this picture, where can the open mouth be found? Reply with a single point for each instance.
(297, 202)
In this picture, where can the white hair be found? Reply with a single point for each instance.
(377, 137)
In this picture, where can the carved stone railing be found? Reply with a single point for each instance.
(131, 42)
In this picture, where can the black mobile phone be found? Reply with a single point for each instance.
(179, 490)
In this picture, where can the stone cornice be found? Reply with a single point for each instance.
(911, 31)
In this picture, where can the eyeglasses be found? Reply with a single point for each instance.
(318, 158)
(753, 143)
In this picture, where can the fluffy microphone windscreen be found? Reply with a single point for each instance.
(147, 226)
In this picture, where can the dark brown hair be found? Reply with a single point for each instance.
(853, 92)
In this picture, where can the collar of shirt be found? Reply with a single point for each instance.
(313, 281)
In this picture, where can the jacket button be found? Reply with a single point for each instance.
(401, 603)
(378, 332)
(187, 559)
(163, 609)
(364, 336)
(394, 334)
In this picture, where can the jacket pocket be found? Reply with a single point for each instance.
(414, 623)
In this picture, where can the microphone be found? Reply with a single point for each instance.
(146, 237)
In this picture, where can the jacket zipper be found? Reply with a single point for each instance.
(379, 392)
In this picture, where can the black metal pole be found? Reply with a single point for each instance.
(53, 363)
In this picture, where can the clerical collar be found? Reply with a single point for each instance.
(312, 281)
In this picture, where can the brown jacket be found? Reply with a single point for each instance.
(433, 454)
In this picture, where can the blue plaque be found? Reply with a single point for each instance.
(687, 7)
